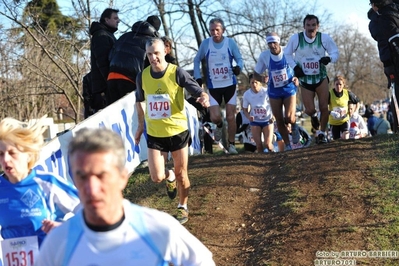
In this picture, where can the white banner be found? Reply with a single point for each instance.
(121, 117)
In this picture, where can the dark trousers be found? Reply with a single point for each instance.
(118, 88)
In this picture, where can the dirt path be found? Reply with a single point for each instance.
(279, 209)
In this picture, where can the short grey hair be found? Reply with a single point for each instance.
(217, 20)
(93, 140)
(152, 41)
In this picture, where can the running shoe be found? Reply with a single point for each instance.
(321, 139)
(218, 133)
(315, 122)
(182, 215)
(171, 189)
(232, 149)
(288, 147)
(295, 133)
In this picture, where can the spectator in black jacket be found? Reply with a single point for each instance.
(102, 41)
(368, 112)
(390, 117)
(386, 34)
(87, 96)
(128, 58)
(377, 34)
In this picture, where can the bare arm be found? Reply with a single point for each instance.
(47, 225)
(204, 99)
(139, 109)
(140, 127)
(247, 115)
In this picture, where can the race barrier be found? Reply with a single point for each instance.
(121, 117)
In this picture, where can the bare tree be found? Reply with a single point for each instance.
(359, 64)
(50, 60)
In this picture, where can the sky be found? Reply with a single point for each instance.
(352, 11)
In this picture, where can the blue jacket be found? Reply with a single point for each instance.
(24, 205)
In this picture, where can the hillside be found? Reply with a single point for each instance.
(280, 209)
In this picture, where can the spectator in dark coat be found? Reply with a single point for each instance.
(387, 26)
(382, 43)
(390, 117)
(102, 41)
(87, 97)
(371, 120)
(128, 58)
(367, 112)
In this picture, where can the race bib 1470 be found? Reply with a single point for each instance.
(158, 106)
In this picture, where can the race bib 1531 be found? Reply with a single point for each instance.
(20, 251)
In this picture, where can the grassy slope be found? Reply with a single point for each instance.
(343, 196)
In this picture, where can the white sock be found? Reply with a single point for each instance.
(171, 176)
(182, 206)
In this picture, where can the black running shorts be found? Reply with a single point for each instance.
(169, 144)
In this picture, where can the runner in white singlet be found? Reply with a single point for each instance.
(308, 53)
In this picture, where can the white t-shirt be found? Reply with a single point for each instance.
(161, 239)
(357, 126)
(260, 105)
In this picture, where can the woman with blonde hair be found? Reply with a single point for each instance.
(338, 106)
(32, 202)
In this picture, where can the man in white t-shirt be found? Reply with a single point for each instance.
(357, 126)
(110, 230)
